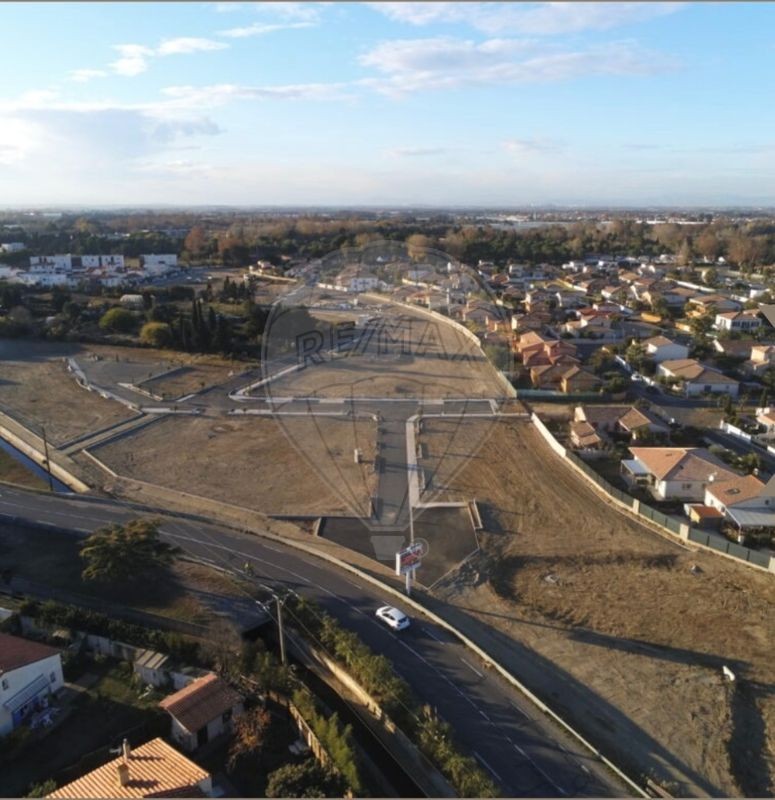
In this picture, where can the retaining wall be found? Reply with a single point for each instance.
(677, 530)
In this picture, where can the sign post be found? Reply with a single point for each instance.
(408, 560)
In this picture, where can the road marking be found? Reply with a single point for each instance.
(521, 711)
(487, 766)
(433, 635)
(474, 669)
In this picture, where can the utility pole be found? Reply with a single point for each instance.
(280, 629)
(48, 463)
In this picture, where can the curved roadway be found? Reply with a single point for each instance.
(524, 754)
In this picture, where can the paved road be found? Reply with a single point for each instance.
(524, 754)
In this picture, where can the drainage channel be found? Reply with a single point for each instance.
(394, 772)
(34, 468)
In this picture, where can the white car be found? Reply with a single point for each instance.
(393, 618)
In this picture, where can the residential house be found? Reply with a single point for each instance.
(739, 321)
(30, 673)
(576, 379)
(154, 769)
(747, 504)
(622, 422)
(734, 348)
(584, 437)
(696, 378)
(704, 303)
(660, 348)
(202, 711)
(762, 357)
(12, 247)
(674, 473)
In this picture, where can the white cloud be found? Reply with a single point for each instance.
(133, 59)
(416, 152)
(445, 63)
(84, 75)
(188, 44)
(306, 11)
(192, 97)
(260, 28)
(533, 146)
(528, 18)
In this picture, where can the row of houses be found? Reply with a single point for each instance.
(70, 271)
(200, 712)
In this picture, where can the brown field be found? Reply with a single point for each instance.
(618, 609)
(431, 360)
(252, 462)
(185, 380)
(36, 389)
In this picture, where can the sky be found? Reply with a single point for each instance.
(387, 104)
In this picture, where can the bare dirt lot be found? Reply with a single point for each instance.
(36, 389)
(642, 622)
(302, 465)
(181, 381)
(398, 355)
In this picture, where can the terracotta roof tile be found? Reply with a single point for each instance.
(737, 490)
(156, 769)
(200, 702)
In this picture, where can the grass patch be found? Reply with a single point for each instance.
(53, 559)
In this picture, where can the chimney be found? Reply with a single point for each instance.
(126, 750)
(122, 777)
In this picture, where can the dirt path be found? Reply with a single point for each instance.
(620, 610)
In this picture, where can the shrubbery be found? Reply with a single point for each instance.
(375, 673)
(53, 614)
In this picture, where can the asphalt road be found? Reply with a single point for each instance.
(523, 753)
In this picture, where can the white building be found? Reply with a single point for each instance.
(158, 264)
(696, 379)
(51, 263)
(12, 247)
(660, 348)
(742, 321)
(675, 473)
(30, 673)
(202, 711)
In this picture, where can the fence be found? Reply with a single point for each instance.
(671, 525)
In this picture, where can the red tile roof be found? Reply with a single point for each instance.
(155, 770)
(16, 652)
(200, 702)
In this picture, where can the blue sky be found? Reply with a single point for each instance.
(387, 103)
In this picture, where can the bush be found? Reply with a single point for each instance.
(307, 779)
(118, 320)
(375, 673)
(156, 334)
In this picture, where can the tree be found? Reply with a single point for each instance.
(711, 277)
(250, 731)
(196, 242)
(117, 320)
(156, 334)
(702, 325)
(307, 779)
(125, 552)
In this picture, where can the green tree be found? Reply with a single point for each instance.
(117, 320)
(156, 334)
(124, 553)
(307, 779)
